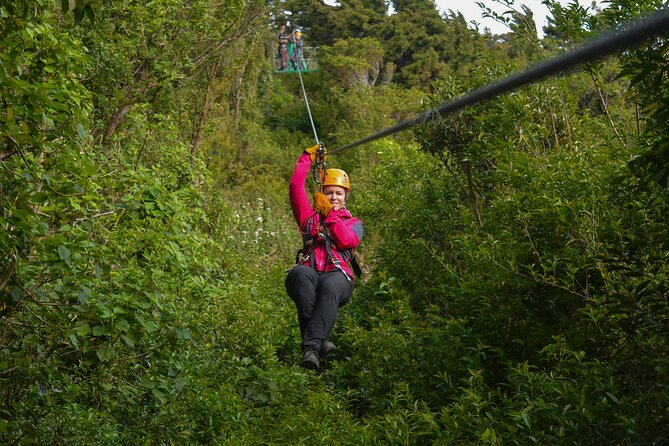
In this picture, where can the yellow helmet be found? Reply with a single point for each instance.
(336, 177)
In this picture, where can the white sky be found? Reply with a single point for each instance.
(471, 11)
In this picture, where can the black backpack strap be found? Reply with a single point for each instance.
(356, 267)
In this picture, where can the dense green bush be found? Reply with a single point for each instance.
(514, 253)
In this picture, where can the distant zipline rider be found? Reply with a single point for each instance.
(297, 43)
(282, 39)
(321, 280)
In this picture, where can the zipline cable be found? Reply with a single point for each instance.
(605, 44)
(319, 167)
(304, 92)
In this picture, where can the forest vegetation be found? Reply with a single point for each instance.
(516, 253)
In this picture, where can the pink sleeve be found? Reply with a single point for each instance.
(345, 233)
(299, 201)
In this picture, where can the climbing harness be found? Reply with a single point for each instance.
(605, 44)
(328, 247)
(309, 243)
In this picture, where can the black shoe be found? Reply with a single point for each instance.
(327, 348)
(310, 360)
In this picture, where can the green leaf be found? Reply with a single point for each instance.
(612, 397)
(148, 383)
(119, 310)
(63, 252)
(150, 326)
(84, 294)
(82, 329)
(105, 353)
(182, 333)
(38, 198)
(123, 325)
(104, 310)
(128, 340)
(160, 396)
(81, 131)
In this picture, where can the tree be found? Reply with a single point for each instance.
(353, 62)
(163, 50)
(426, 46)
(313, 17)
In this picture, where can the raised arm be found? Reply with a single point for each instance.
(297, 192)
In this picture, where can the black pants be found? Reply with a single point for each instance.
(317, 297)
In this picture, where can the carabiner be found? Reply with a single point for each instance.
(320, 152)
(319, 167)
(319, 174)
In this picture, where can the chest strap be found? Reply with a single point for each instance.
(309, 244)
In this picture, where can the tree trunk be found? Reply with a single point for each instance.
(467, 167)
(605, 107)
(115, 120)
(556, 141)
(203, 113)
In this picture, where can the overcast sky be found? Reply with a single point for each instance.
(471, 11)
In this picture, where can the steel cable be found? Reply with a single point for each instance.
(306, 100)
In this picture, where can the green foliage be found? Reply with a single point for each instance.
(424, 46)
(552, 260)
(417, 43)
(353, 62)
(356, 113)
(327, 24)
(644, 68)
(162, 62)
(515, 252)
(570, 24)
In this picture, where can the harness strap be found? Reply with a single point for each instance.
(309, 244)
(328, 247)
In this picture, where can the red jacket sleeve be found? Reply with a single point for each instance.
(299, 201)
(346, 233)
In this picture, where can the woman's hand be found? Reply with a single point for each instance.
(313, 152)
(321, 204)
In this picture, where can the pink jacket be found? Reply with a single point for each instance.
(345, 230)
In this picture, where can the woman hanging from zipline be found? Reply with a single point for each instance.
(321, 280)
